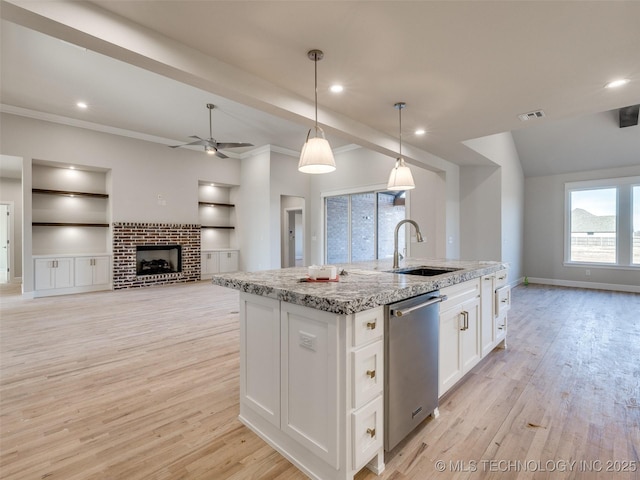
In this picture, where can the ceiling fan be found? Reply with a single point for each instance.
(211, 146)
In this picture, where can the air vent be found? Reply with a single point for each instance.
(531, 115)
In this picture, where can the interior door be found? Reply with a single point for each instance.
(4, 243)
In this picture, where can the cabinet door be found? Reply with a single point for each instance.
(63, 272)
(310, 380)
(44, 275)
(486, 313)
(449, 365)
(260, 356)
(101, 270)
(470, 336)
(228, 262)
(84, 271)
(209, 264)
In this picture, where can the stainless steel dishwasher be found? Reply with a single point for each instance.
(411, 364)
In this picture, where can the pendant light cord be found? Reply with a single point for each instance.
(400, 117)
(315, 64)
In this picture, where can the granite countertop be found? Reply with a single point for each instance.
(364, 286)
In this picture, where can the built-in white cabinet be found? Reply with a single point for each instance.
(311, 383)
(53, 273)
(92, 271)
(61, 275)
(218, 261)
(228, 261)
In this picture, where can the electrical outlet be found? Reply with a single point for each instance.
(587, 272)
(307, 340)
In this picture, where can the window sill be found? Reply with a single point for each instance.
(609, 266)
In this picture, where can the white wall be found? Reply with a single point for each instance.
(480, 218)
(500, 148)
(362, 169)
(253, 210)
(544, 233)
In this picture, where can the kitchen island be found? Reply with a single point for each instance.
(312, 353)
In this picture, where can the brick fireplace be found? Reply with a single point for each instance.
(129, 235)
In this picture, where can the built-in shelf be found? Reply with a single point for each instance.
(68, 193)
(216, 226)
(68, 224)
(216, 204)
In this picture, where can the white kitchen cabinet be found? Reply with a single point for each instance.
(53, 273)
(91, 271)
(460, 332)
(501, 328)
(487, 302)
(260, 358)
(311, 384)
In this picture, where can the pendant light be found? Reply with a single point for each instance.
(316, 155)
(400, 178)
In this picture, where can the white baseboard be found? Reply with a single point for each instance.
(590, 285)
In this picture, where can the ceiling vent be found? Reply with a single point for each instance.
(629, 116)
(531, 115)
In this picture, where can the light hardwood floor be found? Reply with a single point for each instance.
(143, 384)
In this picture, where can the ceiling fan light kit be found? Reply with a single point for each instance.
(400, 177)
(316, 156)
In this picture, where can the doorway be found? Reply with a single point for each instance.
(293, 228)
(5, 234)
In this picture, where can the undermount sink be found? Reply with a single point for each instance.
(425, 271)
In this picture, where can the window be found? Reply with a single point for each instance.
(602, 222)
(360, 226)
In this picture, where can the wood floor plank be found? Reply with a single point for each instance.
(144, 384)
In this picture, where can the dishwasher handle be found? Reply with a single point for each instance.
(405, 311)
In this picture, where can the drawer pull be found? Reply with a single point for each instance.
(371, 373)
(371, 325)
(371, 432)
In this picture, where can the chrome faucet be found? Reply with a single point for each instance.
(419, 238)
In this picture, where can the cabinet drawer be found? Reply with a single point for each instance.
(457, 294)
(368, 373)
(367, 434)
(501, 278)
(501, 326)
(503, 300)
(368, 326)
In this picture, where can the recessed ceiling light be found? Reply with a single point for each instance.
(82, 105)
(617, 83)
(336, 88)
(420, 131)
(72, 167)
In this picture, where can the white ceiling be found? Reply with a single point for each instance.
(465, 70)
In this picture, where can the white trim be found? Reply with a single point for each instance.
(611, 266)
(588, 285)
(624, 220)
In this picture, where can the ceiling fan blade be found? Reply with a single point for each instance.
(199, 141)
(233, 145)
(220, 154)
